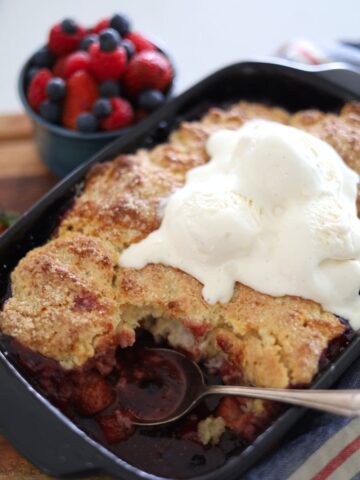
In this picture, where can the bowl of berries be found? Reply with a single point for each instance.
(88, 86)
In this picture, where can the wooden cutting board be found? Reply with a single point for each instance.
(23, 180)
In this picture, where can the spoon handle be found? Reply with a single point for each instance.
(340, 402)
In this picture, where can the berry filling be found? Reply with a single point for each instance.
(110, 391)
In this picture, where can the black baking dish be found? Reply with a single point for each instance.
(36, 428)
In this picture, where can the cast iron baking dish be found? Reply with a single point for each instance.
(36, 428)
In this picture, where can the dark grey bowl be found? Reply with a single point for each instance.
(62, 149)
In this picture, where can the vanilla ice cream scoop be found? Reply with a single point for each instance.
(274, 209)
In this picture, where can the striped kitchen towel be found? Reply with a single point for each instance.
(305, 51)
(323, 447)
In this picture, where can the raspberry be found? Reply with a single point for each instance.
(107, 65)
(148, 70)
(63, 40)
(82, 91)
(75, 62)
(140, 42)
(122, 115)
(37, 89)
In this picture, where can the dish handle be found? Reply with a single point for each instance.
(343, 76)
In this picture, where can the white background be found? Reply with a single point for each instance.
(201, 34)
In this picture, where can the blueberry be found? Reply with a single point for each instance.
(44, 58)
(109, 89)
(102, 108)
(50, 111)
(197, 460)
(129, 47)
(56, 89)
(69, 26)
(109, 39)
(120, 23)
(31, 73)
(87, 41)
(86, 122)
(150, 100)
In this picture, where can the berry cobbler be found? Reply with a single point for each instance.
(80, 325)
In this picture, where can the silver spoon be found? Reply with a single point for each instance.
(340, 402)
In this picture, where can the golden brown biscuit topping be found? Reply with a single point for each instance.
(70, 300)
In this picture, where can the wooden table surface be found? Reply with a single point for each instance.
(23, 180)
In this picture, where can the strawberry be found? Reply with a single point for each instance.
(115, 427)
(101, 25)
(75, 62)
(107, 65)
(140, 42)
(94, 394)
(148, 70)
(122, 115)
(37, 89)
(59, 67)
(64, 37)
(82, 92)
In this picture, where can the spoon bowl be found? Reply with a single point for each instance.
(195, 387)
